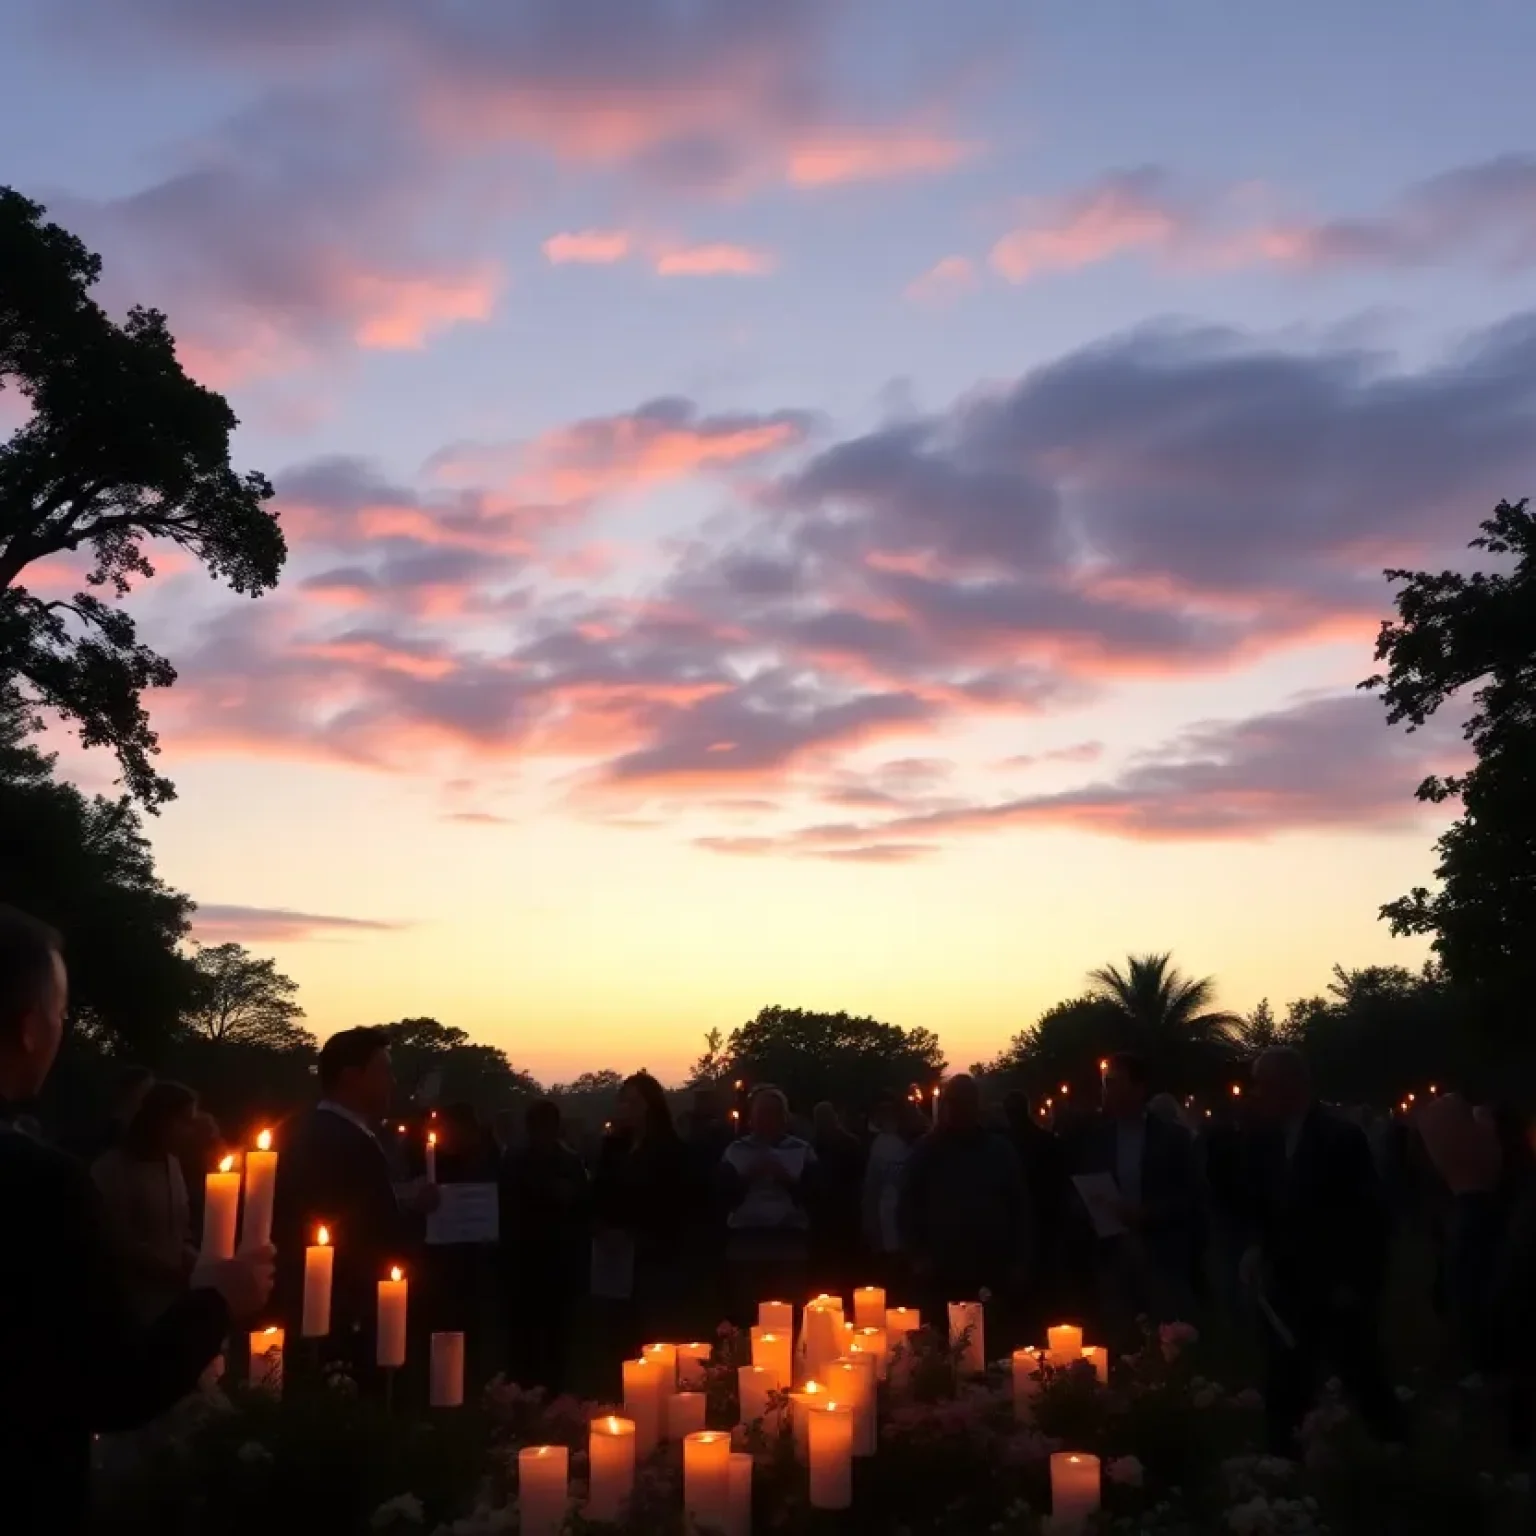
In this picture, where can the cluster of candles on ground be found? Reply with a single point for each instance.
(833, 1411)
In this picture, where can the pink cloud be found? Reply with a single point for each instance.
(398, 312)
(947, 278)
(715, 260)
(591, 247)
(213, 923)
(835, 156)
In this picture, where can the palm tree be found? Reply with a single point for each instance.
(1171, 1016)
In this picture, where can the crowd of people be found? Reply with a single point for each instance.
(1274, 1211)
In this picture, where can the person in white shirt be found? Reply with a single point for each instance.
(888, 1154)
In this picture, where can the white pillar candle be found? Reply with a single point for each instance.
(1065, 1343)
(899, 1322)
(754, 1385)
(831, 1456)
(869, 1306)
(664, 1358)
(260, 1186)
(740, 1495)
(1074, 1487)
(828, 1300)
(642, 1403)
(221, 1210)
(319, 1268)
(432, 1157)
(802, 1403)
(447, 1374)
(1098, 1358)
(693, 1366)
(612, 1454)
(873, 1341)
(774, 1352)
(707, 1479)
(267, 1361)
(543, 1488)
(393, 1296)
(684, 1414)
(853, 1382)
(1026, 1382)
(779, 1316)
(823, 1338)
(967, 1333)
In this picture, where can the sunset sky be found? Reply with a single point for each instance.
(859, 504)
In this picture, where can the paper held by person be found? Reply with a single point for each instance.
(1101, 1195)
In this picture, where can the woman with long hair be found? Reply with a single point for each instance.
(145, 1194)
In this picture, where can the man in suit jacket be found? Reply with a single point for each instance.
(1146, 1269)
(73, 1361)
(333, 1171)
(1318, 1258)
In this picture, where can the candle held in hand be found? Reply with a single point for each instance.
(221, 1211)
(260, 1188)
(319, 1267)
(432, 1157)
(393, 1296)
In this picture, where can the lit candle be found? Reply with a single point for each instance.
(693, 1366)
(740, 1495)
(1074, 1487)
(612, 1456)
(755, 1384)
(319, 1264)
(778, 1316)
(1098, 1358)
(869, 1306)
(1066, 1344)
(393, 1294)
(876, 1342)
(664, 1358)
(432, 1157)
(543, 1479)
(831, 1454)
(809, 1397)
(1026, 1379)
(221, 1207)
(707, 1479)
(642, 1403)
(774, 1352)
(684, 1414)
(447, 1375)
(260, 1186)
(967, 1334)
(823, 1337)
(826, 1300)
(899, 1322)
(267, 1361)
(853, 1382)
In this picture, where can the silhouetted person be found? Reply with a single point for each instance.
(1044, 1161)
(129, 1085)
(708, 1135)
(767, 1183)
(1145, 1269)
(73, 1361)
(639, 1200)
(837, 1227)
(545, 1203)
(145, 1195)
(889, 1150)
(333, 1171)
(1319, 1258)
(964, 1213)
(462, 1276)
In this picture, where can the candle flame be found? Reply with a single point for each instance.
(396, 1274)
(431, 1138)
(544, 1451)
(269, 1330)
(226, 1165)
(1074, 1459)
(323, 1236)
(613, 1425)
(770, 1338)
(264, 1142)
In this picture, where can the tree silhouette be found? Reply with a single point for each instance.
(121, 449)
(243, 1000)
(1064, 1045)
(467, 1072)
(1452, 633)
(1258, 1031)
(1171, 1017)
(603, 1085)
(713, 1064)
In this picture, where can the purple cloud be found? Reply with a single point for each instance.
(217, 924)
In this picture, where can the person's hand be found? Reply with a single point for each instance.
(245, 1281)
(1250, 1269)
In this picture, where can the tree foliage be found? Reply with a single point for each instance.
(245, 1000)
(1456, 632)
(121, 450)
(469, 1073)
(713, 1064)
(82, 864)
(833, 1056)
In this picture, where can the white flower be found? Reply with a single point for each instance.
(404, 1508)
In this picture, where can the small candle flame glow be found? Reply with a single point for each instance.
(226, 1165)
(264, 1142)
(269, 1330)
(770, 1338)
(396, 1274)
(323, 1236)
(431, 1138)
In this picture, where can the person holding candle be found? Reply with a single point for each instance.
(332, 1168)
(73, 1360)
